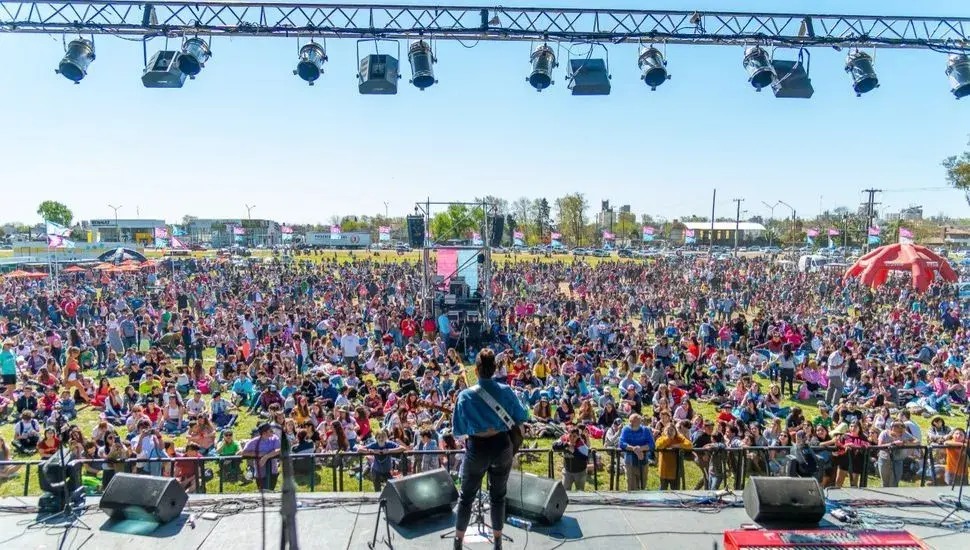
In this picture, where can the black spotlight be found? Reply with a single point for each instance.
(756, 62)
(310, 66)
(859, 66)
(422, 60)
(958, 70)
(654, 67)
(195, 52)
(74, 66)
(543, 62)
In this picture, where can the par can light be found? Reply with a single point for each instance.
(653, 67)
(543, 62)
(195, 52)
(958, 71)
(859, 66)
(758, 66)
(310, 66)
(422, 61)
(74, 65)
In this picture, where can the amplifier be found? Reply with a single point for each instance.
(819, 539)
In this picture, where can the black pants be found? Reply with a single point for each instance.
(491, 455)
(788, 375)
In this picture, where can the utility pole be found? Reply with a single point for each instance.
(249, 210)
(710, 240)
(386, 209)
(870, 212)
(737, 224)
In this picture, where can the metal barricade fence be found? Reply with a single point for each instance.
(703, 468)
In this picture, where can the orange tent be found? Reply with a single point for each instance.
(103, 266)
(922, 263)
(74, 269)
(21, 274)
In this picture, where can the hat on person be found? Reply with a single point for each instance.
(842, 428)
(618, 422)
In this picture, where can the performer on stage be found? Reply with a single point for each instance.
(489, 446)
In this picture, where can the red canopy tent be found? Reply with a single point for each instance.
(922, 263)
(21, 274)
(74, 269)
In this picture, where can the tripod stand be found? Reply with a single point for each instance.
(960, 476)
(69, 511)
(482, 528)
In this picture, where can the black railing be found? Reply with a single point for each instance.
(706, 468)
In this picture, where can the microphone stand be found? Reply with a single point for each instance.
(288, 531)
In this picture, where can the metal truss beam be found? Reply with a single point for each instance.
(260, 19)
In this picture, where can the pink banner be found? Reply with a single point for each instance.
(286, 230)
(833, 232)
(812, 232)
(447, 263)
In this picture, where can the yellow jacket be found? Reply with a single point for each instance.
(667, 460)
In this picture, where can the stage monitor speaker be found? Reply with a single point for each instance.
(537, 498)
(130, 496)
(419, 496)
(496, 226)
(784, 500)
(416, 231)
(378, 75)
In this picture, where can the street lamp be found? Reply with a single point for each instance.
(117, 227)
(771, 217)
(792, 222)
(249, 210)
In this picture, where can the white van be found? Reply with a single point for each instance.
(811, 263)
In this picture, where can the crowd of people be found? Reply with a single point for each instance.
(176, 360)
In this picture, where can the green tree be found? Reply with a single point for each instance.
(55, 212)
(958, 172)
(542, 212)
(571, 217)
(456, 222)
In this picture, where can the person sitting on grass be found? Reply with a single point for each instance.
(9, 470)
(27, 400)
(26, 433)
(47, 446)
(220, 411)
(67, 406)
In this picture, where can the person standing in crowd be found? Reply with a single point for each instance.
(488, 444)
(264, 450)
(576, 453)
(891, 458)
(835, 375)
(638, 443)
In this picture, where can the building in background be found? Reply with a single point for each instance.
(122, 230)
(723, 232)
(913, 213)
(221, 233)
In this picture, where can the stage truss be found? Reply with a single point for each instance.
(264, 19)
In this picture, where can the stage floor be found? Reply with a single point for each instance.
(592, 521)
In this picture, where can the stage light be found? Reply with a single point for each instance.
(859, 66)
(958, 70)
(654, 67)
(162, 71)
(195, 52)
(758, 66)
(543, 62)
(310, 66)
(74, 65)
(422, 60)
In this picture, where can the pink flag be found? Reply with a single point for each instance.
(161, 233)
(238, 231)
(54, 241)
(833, 232)
(874, 231)
(689, 233)
(648, 230)
(608, 236)
(385, 229)
(286, 230)
(555, 236)
(905, 233)
(178, 244)
(812, 232)
(518, 235)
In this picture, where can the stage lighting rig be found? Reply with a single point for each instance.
(758, 65)
(310, 66)
(195, 52)
(543, 62)
(77, 59)
(859, 65)
(958, 71)
(162, 71)
(422, 61)
(653, 67)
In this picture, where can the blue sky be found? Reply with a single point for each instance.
(248, 131)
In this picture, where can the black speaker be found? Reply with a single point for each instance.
(419, 496)
(784, 500)
(416, 231)
(537, 498)
(496, 226)
(130, 496)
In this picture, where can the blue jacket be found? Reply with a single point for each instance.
(636, 438)
(473, 416)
